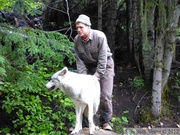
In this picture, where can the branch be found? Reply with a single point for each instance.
(56, 9)
(139, 102)
(176, 87)
(67, 5)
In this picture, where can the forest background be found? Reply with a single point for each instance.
(36, 39)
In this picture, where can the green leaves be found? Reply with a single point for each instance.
(33, 46)
(28, 58)
(37, 109)
(6, 5)
(119, 122)
(2, 70)
(138, 82)
(22, 6)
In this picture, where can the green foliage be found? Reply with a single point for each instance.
(28, 6)
(177, 78)
(23, 46)
(166, 93)
(178, 33)
(5, 130)
(146, 115)
(2, 70)
(22, 6)
(32, 104)
(28, 58)
(6, 5)
(119, 122)
(166, 100)
(138, 82)
(177, 81)
(130, 131)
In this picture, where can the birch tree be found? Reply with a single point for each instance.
(170, 39)
(159, 23)
(158, 61)
(167, 20)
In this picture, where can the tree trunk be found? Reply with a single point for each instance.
(99, 14)
(148, 38)
(111, 23)
(134, 33)
(158, 60)
(170, 40)
(157, 78)
(129, 4)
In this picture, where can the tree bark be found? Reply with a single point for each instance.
(134, 32)
(157, 78)
(99, 14)
(158, 60)
(111, 23)
(170, 45)
(148, 39)
(129, 4)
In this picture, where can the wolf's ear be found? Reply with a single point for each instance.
(65, 68)
(63, 71)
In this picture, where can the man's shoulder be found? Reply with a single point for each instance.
(98, 33)
(76, 38)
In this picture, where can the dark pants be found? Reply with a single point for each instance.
(106, 83)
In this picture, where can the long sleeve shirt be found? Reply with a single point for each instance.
(94, 52)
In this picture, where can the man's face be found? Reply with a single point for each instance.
(82, 29)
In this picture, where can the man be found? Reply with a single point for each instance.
(93, 57)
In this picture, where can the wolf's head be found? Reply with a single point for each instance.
(56, 79)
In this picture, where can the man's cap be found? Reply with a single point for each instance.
(84, 19)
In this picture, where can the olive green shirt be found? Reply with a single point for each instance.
(94, 52)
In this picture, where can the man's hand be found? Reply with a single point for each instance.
(97, 76)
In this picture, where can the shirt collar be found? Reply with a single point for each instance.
(91, 34)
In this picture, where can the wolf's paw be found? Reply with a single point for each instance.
(75, 131)
(92, 130)
(96, 128)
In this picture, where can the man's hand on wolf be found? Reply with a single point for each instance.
(97, 76)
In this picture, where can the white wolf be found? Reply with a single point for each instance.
(84, 91)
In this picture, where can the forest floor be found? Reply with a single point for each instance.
(137, 101)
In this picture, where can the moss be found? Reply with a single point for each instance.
(146, 115)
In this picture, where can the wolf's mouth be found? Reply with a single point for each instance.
(52, 88)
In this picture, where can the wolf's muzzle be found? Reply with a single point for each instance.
(51, 88)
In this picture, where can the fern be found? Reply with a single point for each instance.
(35, 43)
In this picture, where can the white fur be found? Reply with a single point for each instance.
(84, 91)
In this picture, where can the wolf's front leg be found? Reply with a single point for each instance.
(79, 115)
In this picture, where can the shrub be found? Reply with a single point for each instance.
(177, 84)
(138, 82)
(28, 58)
(119, 122)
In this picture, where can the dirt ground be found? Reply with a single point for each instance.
(137, 101)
